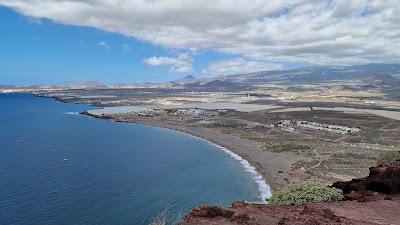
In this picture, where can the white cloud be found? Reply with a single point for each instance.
(310, 31)
(238, 66)
(104, 45)
(126, 48)
(181, 64)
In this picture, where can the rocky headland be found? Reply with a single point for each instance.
(372, 200)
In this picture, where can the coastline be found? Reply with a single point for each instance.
(272, 166)
(263, 187)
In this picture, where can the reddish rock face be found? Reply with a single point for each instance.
(211, 212)
(382, 179)
(380, 211)
(371, 200)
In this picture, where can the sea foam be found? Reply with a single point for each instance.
(263, 187)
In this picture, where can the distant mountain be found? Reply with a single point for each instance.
(214, 85)
(189, 77)
(86, 85)
(185, 80)
(375, 76)
(379, 76)
(322, 74)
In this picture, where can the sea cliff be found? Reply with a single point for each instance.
(374, 199)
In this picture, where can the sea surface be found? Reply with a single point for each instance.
(59, 167)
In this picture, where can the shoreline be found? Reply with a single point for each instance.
(220, 144)
(271, 166)
(263, 187)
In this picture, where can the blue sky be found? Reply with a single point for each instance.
(44, 52)
(61, 41)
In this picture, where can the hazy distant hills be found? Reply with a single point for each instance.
(185, 80)
(370, 75)
(87, 85)
(322, 74)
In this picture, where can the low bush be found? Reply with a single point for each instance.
(389, 158)
(280, 146)
(305, 192)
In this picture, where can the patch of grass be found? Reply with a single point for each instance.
(305, 192)
(280, 146)
(304, 163)
(389, 158)
(348, 159)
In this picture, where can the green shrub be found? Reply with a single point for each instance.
(389, 158)
(305, 192)
(281, 146)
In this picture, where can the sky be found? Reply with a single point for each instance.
(123, 41)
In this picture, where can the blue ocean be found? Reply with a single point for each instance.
(59, 167)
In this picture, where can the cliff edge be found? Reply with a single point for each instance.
(374, 199)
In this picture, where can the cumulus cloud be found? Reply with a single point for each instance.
(238, 66)
(181, 64)
(308, 31)
(104, 45)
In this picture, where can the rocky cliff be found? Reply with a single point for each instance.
(374, 199)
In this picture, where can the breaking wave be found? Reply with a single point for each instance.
(263, 187)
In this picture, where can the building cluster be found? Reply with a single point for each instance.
(290, 124)
(251, 125)
(190, 113)
(152, 112)
(195, 114)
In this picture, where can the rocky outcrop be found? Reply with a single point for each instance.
(211, 212)
(380, 210)
(382, 179)
(371, 200)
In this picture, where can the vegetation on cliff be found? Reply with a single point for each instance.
(305, 192)
(389, 158)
